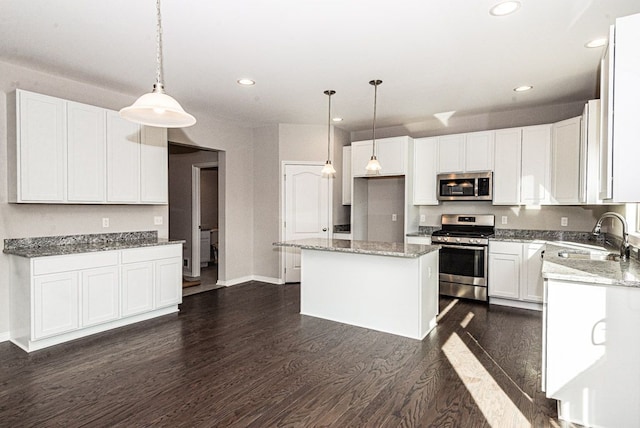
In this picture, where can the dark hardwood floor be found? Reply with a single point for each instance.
(244, 356)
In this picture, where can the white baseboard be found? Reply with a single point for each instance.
(515, 303)
(248, 278)
(4, 336)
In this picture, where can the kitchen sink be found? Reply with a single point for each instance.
(589, 255)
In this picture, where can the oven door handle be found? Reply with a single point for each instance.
(464, 247)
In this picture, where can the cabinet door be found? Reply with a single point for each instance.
(533, 286)
(506, 173)
(479, 151)
(425, 170)
(392, 153)
(86, 145)
(154, 165)
(41, 145)
(347, 179)
(137, 288)
(606, 119)
(626, 111)
(360, 155)
(504, 270)
(168, 282)
(100, 295)
(567, 154)
(451, 153)
(123, 159)
(535, 174)
(56, 304)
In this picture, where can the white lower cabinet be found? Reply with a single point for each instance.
(137, 288)
(515, 277)
(100, 295)
(55, 304)
(59, 298)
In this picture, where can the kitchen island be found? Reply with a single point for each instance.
(389, 287)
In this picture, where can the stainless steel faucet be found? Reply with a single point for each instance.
(625, 249)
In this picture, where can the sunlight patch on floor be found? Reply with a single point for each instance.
(492, 401)
(467, 319)
(447, 309)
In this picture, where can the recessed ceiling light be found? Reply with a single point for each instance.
(523, 88)
(596, 43)
(505, 8)
(337, 119)
(246, 82)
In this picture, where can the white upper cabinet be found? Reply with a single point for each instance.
(535, 174)
(451, 153)
(391, 153)
(567, 154)
(469, 152)
(123, 160)
(591, 162)
(425, 170)
(86, 153)
(154, 165)
(479, 151)
(39, 169)
(347, 178)
(620, 112)
(63, 152)
(506, 170)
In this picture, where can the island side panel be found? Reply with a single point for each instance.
(378, 292)
(429, 291)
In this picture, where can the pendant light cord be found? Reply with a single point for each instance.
(159, 62)
(375, 84)
(329, 127)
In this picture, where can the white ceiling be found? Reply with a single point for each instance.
(432, 55)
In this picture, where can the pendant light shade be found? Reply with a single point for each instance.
(373, 166)
(328, 170)
(156, 108)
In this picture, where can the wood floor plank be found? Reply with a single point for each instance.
(244, 356)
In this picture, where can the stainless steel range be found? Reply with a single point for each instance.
(464, 241)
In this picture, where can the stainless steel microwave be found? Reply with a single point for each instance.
(475, 186)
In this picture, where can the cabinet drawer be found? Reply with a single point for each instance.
(505, 247)
(136, 255)
(54, 264)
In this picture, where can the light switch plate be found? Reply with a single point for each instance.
(394, 217)
(105, 222)
(505, 219)
(157, 220)
(423, 218)
(564, 221)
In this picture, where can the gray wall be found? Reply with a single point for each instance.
(386, 197)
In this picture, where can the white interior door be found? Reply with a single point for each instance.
(307, 211)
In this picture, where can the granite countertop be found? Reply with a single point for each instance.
(74, 244)
(392, 249)
(602, 272)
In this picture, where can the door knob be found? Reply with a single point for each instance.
(324, 229)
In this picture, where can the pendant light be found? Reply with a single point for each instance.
(328, 170)
(156, 108)
(373, 166)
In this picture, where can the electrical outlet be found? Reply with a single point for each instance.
(423, 218)
(505, 219)
(564, 221)
(105, 222)
(394, 217)
(157, 220)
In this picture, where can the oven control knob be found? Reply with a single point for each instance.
(473, 241)
(458, 239)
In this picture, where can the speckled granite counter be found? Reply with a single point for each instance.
(392, 249)
(74, 244)
(424, 231)
(527, 235)
(625, 273)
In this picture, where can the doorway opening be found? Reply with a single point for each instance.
(195, 207)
